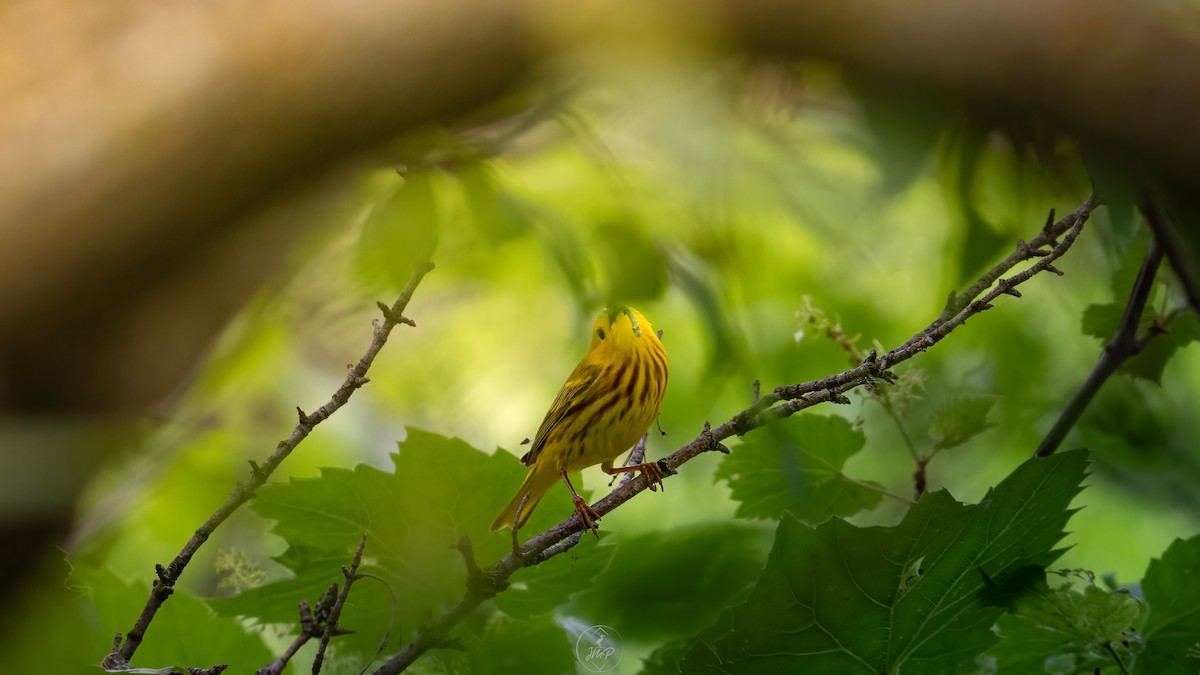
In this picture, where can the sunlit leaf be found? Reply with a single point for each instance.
(844, 599)
(400, 233)
(442, 489)
(796, 466)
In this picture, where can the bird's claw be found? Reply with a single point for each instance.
(587, 515)
(654, 475)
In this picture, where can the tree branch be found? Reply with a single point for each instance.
(1176, 250)
(1124, 344)
(780, 403)
(636, 456)
(335, 613)
(164, 584)
(309, 628)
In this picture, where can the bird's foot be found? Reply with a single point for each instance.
(587, 515)
(651, 470)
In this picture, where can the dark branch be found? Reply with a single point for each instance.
(309, 629)
(1124, 344)
(335, 613)
(780, 403)
(215, 670)
(167, 577)
(1168, 238)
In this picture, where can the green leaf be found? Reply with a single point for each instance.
(571, 257)
(1101, 321)
(697, 281)
(504, 645)
(796, 466)
(1111, 177)
(184, 633)
(708, 567)
(1133, 255)
(1172, 590)
(961, 163)
(54, 601)
(533, 647)
(843, 599)
(496, 214)
(537, 590)
(1068, 630)
(442, 489)
(400, 233)
(1152, 361)
(906, 129)
(960, 419)
(633, 262)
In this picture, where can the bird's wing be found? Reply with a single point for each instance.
(578, 385)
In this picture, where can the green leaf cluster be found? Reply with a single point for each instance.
(907, 598)
(1065, 629)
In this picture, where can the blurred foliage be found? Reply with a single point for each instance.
(960, 419)
(732, 203)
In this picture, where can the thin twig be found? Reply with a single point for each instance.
(331, 624)
(636, 457)
(309, 629)
(1116, 657)
(215, 670)
(1124, 344)
(356, 377)
(780, 403)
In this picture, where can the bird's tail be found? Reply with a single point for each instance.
(541, 478)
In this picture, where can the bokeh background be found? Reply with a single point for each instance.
(749, 207)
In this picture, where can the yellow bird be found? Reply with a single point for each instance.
(606, 405)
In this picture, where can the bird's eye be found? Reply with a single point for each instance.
(600, 333)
